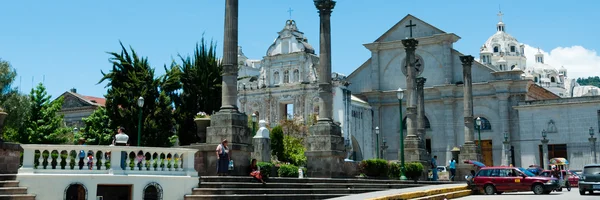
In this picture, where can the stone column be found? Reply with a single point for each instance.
(228, 123)
(593, 148)
(410, 45)
(325, 151)
(421, 108)
(545, 158)
(262, 143)
(506, 152)
(469, 151)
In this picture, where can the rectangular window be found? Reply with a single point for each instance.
(512, 49)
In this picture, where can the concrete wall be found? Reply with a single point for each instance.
(10, 155)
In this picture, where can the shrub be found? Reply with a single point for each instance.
(293, 151)
(374, 167)
(276, 136)
(413, 170)
(265, 168)
(287, 171)
(394, 170)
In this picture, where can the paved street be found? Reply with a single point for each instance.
(572, 195)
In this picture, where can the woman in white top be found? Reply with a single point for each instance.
(223, 157)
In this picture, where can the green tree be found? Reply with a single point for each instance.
(97, 129)
(16, 104)
(595, 81)
(130, 78)
(7, 76)
(199, 78)
(277, 145)
(293, 150)
(44, 125)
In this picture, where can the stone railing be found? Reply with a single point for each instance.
(117, 160)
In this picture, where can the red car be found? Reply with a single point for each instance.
(496, 180)
(573, 178)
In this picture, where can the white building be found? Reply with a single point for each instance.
(283, 85)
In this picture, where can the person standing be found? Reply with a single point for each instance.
(223, 157)
(452, 167)
(434, 170)
(121, 139)
(81, 153)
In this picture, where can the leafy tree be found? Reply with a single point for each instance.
(130, 78)
(44, 125)
(7, 76)
(595, 81)
(17, 105)
(199, 78)
(97, 129)
(293, 150)
(277, 145)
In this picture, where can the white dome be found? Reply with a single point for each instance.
(541, 68)
(503, 41)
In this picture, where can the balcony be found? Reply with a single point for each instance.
(107, 160)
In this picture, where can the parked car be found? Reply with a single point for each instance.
(573, 177)
(496, 180)
(590, 179)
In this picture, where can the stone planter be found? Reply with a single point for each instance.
(201, 124)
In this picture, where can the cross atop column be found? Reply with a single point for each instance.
(410, 26)
(290, 11)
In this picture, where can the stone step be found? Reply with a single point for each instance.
(302, 185)
(425, 193)
(315, 180)
(13, 190)
(243, 191)
(8, 177)
(18, 197)
(449, 195)
(9, 183)
(263, 197)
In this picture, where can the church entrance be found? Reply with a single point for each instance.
(486, 152)
(554, 151)
(114, 192)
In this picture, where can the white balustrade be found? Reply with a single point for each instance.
(65, 159)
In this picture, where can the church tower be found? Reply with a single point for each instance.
(502, 51)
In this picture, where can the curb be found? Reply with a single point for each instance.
(450, 192)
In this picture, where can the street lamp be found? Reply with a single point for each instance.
(591, 132)
(478, 122)
(377, 138)
(140, 103)
(400, 94)
(544, 134)
(254, 119)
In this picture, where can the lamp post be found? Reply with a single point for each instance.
(377, 140)
(544, 148)
(140, 103)
(592, 140)
(254, 119)
(400, 94)
(383, 147)
(506, 148)
(478, 122)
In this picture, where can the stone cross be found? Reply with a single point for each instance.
(500, 15)
(410, 45)
(290, 11)
(410, 26)
(467, 62)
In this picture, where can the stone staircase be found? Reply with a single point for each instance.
(239, 188)
(10, 190)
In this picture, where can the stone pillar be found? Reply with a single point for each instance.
(545, 158)
(469, 151)
(410, 46)
(593, 149)
(325, 151)
(506, 153)
(228, 123)
(421, 108)
(262, 143)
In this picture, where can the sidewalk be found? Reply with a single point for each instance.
(395, 191)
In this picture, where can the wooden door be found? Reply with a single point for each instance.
(486, 152)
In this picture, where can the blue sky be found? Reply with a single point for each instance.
(63, 43)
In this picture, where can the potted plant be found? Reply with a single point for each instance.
(202, 121)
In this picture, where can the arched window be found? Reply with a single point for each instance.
(552, 79)
(276, 79)
(296, 76)
(485, 124)
(496, 49)
(535, 79)
(286, 76)
(153, 191)
(427, 124)
(512, 67)
(76, 191)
